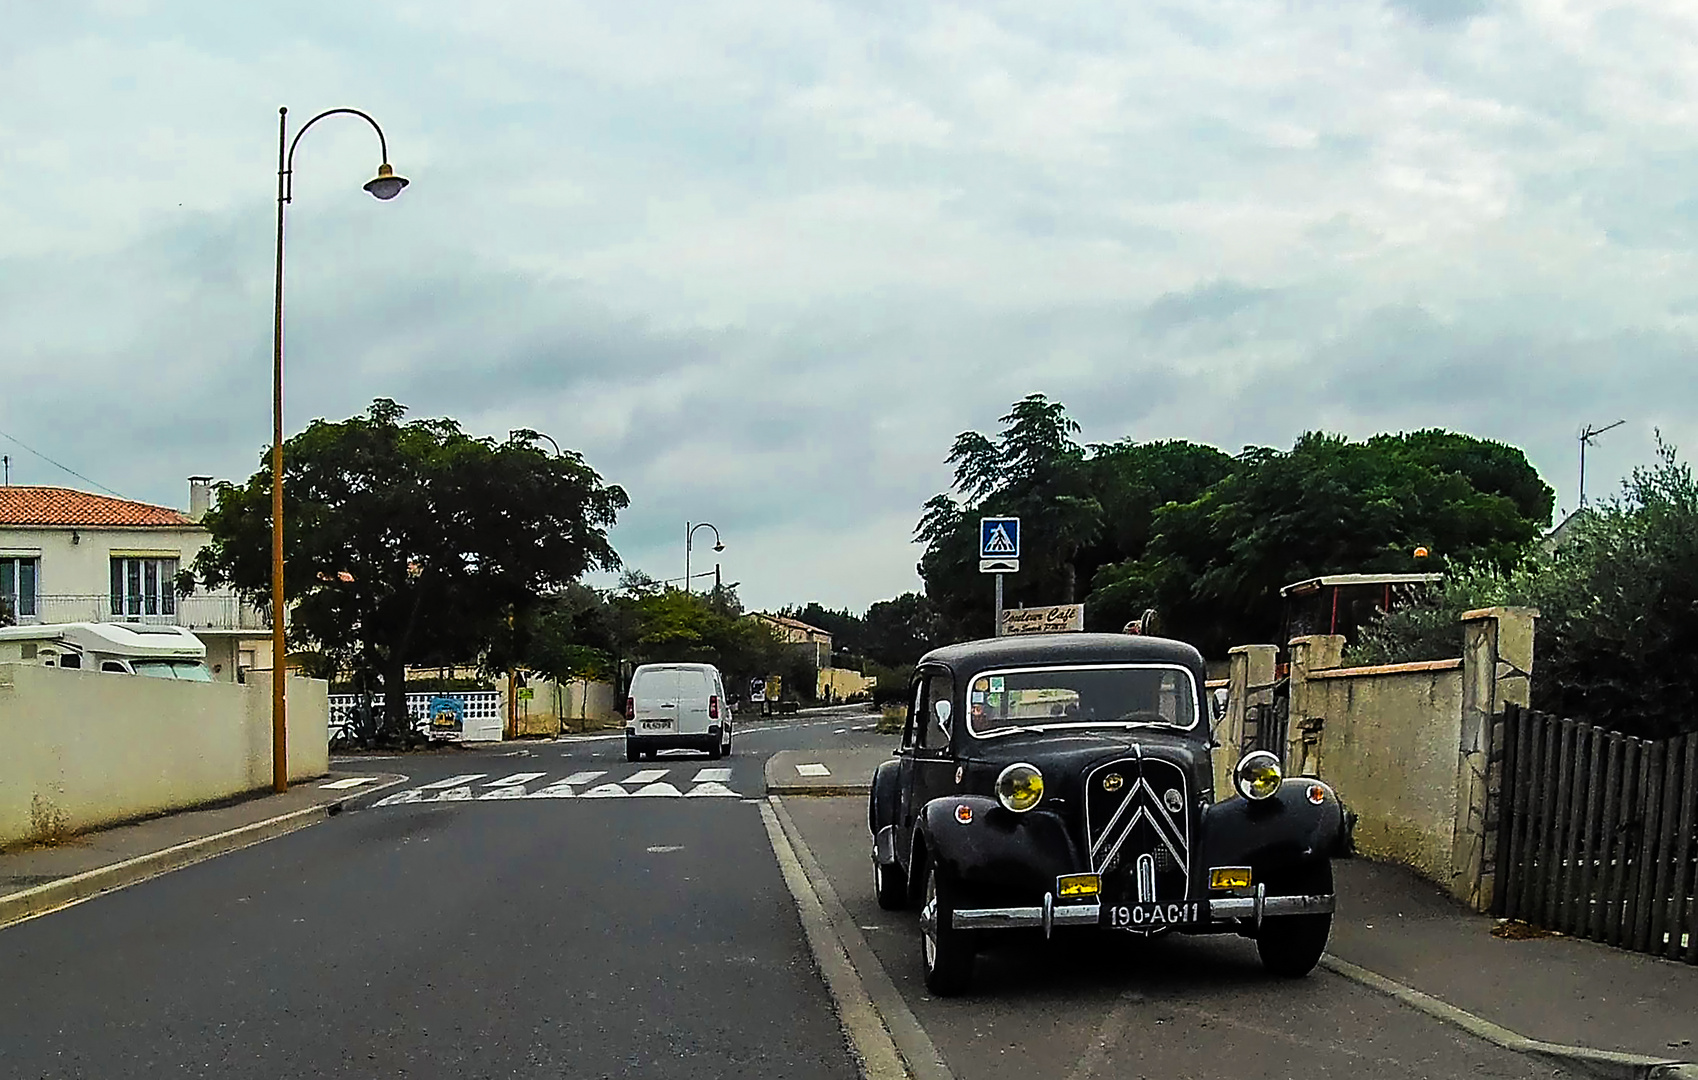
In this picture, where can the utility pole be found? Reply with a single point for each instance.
(1587, 434)
(7, 460)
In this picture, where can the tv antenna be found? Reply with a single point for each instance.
(1587, 434)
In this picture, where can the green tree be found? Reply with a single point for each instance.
(412, 542)
(1034, 469)
(1618, 604)
(901, 630)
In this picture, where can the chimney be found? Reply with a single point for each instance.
(200, 496)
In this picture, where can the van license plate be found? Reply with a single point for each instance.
(649, 724)
(1147, 915)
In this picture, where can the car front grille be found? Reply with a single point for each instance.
(1129, 821)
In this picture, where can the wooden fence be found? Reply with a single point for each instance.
(1595, 833)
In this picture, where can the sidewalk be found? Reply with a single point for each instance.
(825, 772)
(41, 878)
(1555, 989)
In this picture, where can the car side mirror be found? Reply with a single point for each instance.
(1220, 703)
(942, 709)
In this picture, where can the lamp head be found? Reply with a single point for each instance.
(385, 185)
(718, 547)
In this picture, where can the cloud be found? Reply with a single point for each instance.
(761, 262)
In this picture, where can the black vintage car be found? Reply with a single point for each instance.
(1065, 781)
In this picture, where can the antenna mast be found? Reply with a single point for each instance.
(1587, 434)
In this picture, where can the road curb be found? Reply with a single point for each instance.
(56, 895)
(818, 789)
(896, 1024)
(1610, 1064)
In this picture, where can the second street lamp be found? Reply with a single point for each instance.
(689, 537)
(384, 186)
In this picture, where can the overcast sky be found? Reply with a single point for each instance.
(761, 262)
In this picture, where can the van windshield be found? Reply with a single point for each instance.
(1107, 695)
(187, 670)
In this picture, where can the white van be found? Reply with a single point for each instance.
(162, 652)
(676, 706)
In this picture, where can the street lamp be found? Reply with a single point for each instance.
(689, 538)
(384, 186)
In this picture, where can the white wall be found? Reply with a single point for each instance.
(82, 749)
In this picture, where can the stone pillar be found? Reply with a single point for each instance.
(1316, 652)
(1250, 672)
(1497, 669)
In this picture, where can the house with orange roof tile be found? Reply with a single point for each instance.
(74, 556)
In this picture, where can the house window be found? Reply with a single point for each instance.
(18, 577)
(144, 587)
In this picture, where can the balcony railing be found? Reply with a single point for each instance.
(217, 611)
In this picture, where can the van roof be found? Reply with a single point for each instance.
(117, 639)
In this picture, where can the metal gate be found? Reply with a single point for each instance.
(1595, 834)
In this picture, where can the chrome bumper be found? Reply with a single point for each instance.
(1051, 914)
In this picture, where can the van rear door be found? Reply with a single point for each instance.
(694, 689)
(655, 699)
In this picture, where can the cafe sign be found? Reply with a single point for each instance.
(1059, 619)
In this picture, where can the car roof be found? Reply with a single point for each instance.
(1034, 649)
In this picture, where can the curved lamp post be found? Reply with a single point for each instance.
(385, 186)
(689, 538)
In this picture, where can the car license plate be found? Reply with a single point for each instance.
(650, 724)
(1144, 916)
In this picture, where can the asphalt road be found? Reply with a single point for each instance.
(505, 920)
(616, 937)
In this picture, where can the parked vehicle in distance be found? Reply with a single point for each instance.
(160, 652)
(1066, 781)
(676, 706)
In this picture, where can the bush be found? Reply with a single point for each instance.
(892, 685)
(1618, 603)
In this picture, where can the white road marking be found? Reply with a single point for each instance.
(813, 769)
(517, 778)
(553, 791)
(508, 792)
(415, 795)
(665, 790)
(459, 794)
(606, 791)
(352, 781)
(711, 789)
(712, 776)
(584, 777)
(454, 781)
(663, 849)
(647, 776)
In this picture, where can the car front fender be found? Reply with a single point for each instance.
(997, 854)
(1276, 833)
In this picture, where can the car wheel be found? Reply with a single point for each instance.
(631, 751)
(727, 750)
(1291, 945)
(891, 886)
(946, 952)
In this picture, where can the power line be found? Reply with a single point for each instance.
(57, 465)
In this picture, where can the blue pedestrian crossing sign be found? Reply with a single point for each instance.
(999, 538)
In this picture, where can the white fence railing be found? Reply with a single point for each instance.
(480, 712)
(202, 611)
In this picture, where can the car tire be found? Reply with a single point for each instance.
(631, 751)
(946, 952)
(1291, 945)
(891, 886)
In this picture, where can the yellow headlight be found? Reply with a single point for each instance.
(1258, 775)
(1019, 787)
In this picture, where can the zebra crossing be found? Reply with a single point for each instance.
(584, 784)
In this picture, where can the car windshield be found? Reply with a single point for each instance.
(172, 669)
(1119, 695)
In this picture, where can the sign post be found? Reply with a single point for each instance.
(999, 553)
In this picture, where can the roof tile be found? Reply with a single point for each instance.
(52, 506)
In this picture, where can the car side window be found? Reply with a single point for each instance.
(940, 690)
